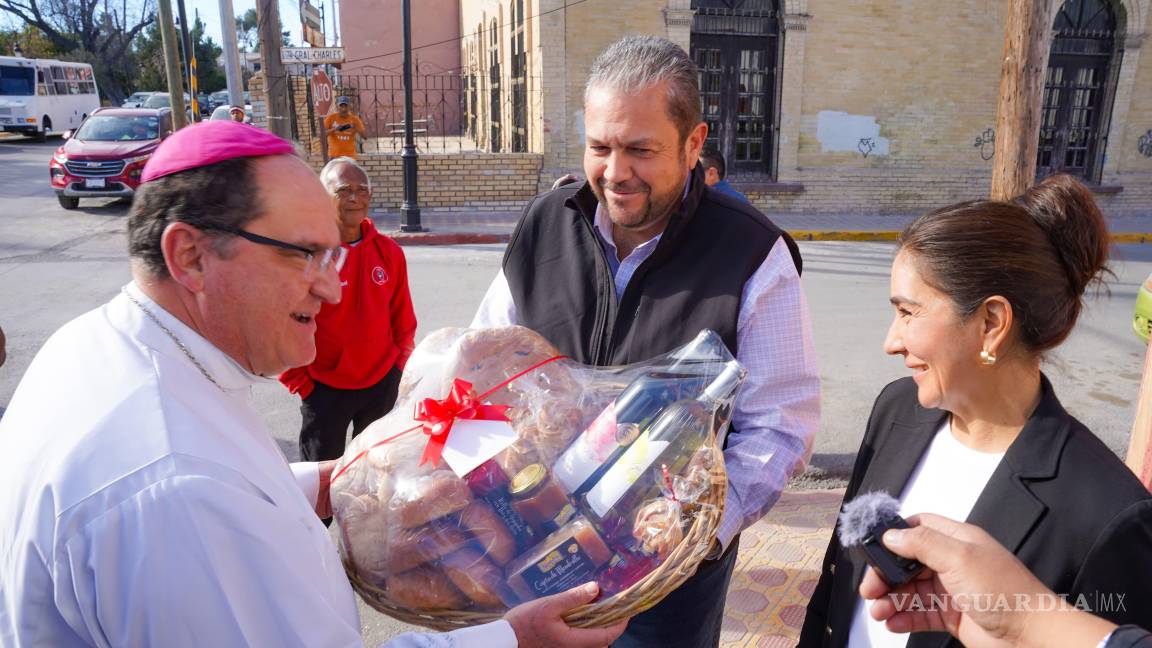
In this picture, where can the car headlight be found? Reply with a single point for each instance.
(138, 158)
(60, 158)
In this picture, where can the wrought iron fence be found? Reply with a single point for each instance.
(452, 112)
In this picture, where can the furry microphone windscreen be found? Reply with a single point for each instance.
(863, 514)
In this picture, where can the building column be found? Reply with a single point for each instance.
(678, 21)
(1134, 36)
(794, 27)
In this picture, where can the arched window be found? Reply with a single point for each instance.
(736, 45)
(1078, 90)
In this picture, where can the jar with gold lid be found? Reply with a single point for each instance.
(538, 499)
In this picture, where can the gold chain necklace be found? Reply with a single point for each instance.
(175, 339)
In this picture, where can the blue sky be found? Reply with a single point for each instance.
(289, 15)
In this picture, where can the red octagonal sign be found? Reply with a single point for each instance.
(321, 92)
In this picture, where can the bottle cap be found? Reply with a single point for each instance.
(726, 382)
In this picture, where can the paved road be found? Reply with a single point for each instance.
(56, 264)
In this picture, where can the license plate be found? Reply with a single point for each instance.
(94, 183)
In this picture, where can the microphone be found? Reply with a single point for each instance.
(863, 522)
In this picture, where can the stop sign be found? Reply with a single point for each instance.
(321, 92)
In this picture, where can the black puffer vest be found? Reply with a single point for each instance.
(562, 285)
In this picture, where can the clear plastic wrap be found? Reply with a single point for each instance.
(607, 469)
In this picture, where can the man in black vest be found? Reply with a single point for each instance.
(641, 257)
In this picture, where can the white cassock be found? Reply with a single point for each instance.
(143, 505)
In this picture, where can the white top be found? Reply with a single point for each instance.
(777, 410)
(948, 480)
(144, 506)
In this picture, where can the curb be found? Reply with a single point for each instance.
(408, 239)
(476, 238)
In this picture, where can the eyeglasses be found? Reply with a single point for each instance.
(317, 260)
(347, 192)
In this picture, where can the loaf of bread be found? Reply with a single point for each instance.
(490, 533)
(425, 588)
(476, 576)
(417, 500)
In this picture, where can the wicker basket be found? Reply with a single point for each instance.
(645, 593)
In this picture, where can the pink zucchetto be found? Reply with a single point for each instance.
(210, 142)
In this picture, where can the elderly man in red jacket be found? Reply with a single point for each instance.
(362, 342)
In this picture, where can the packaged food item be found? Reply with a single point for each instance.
(567, 558)
(490, 483)
(539, 500)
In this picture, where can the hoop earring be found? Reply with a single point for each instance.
(987, 358)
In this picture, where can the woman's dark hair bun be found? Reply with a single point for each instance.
(1066, 211)
(1039, 251)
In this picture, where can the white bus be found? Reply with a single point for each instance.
(43, 96)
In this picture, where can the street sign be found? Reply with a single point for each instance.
(312, 24)
(314, 55)
(321, 92)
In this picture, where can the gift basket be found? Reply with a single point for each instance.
(508, 472)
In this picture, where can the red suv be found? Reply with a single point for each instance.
(105, 156)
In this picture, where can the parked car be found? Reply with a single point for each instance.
(164, 100)
(105, 156)
(205, 101)
(136, 99)
(225, 112)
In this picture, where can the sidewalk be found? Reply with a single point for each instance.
(777, 570)
(457, 228)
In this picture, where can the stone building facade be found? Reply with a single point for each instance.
(835, 106)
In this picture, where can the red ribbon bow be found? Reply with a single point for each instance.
(437, 416)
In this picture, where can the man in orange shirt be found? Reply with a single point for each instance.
(342, 127)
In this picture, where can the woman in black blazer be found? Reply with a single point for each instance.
(981, 290)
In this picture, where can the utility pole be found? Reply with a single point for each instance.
(186, 46)
(410, 208)
(276, 91)
(171, 65)
(1027, 39)
(231, 54)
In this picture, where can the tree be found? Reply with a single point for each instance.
(96, 31)
(248, 36)
(209, 76)
(150, 54)
(33, 43)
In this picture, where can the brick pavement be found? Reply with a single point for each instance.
(777, 570)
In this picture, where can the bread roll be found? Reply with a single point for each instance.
(476, 576)
(424, 588)
(416, 501)
(404, 549)
(494, 538)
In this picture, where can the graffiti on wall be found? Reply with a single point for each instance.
(1145, 145)
(986, 142)
(841, 132)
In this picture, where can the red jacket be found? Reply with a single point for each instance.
(372, 329)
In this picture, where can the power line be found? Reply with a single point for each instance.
(462, 37)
